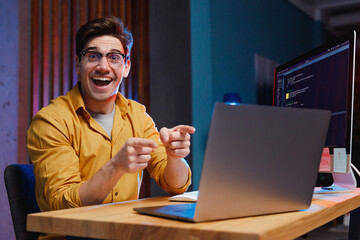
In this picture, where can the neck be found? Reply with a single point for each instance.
(100, 107)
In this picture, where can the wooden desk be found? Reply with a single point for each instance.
(119, 221)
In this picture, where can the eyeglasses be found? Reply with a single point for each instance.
(115, 59)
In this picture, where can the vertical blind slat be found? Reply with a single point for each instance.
(99, 9)
(82, 12)
(45, 54)
(106, 8)
(65, 47)
(35, 56)
(74, 26)
(114, 7)
(91, 9)
(55, 72)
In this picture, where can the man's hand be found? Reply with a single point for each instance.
(132, 157)
(177, 140)
(135, 155)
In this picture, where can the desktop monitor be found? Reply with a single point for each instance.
(324, 78)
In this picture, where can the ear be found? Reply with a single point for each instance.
(77, 60)
(127, 68)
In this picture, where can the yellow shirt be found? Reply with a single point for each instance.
(67, 147)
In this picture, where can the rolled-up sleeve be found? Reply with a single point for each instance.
(158, 161)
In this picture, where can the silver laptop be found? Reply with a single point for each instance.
(258, 160)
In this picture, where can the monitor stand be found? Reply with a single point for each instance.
(342, 182)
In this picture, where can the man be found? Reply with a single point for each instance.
(91, 145)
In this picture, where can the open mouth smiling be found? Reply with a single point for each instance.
(101, 81)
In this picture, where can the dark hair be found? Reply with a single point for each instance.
(104, 26)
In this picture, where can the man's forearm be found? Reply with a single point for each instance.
(176, 172)
(96, 189)
(131, 158)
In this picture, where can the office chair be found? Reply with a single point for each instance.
(20, 187)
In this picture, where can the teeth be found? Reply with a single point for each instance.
(101, 79)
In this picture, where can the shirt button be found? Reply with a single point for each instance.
(116, 193)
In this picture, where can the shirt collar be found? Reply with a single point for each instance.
(76, 98)
(78, 101)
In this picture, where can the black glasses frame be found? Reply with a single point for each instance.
(103, 54)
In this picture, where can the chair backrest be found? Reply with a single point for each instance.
(20, 187)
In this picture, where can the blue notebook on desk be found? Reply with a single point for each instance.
(258, 160)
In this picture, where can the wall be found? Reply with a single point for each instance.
(170, 66)
(274, 29)
(9, 27)
(229, 33)
(202, 80)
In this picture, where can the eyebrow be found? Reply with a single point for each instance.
(95, 48)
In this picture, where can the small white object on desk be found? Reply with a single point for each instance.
(185, 197)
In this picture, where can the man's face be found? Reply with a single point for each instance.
(100, 80)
